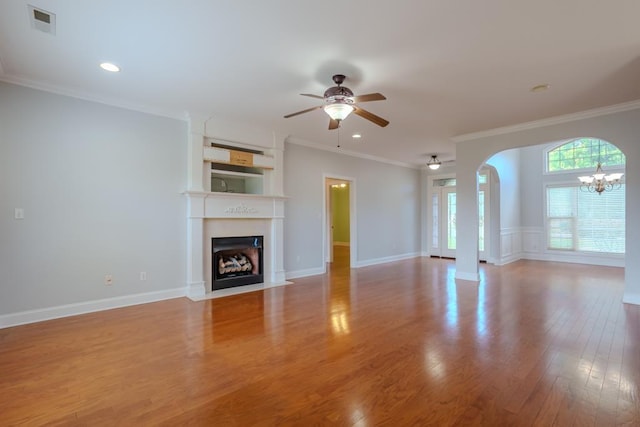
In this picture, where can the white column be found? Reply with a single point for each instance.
(277, 231)
(277, 174)
(195, 166)
(466, 220)
(195, 246)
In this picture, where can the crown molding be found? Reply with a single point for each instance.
(113, 102)
(587, 114)
(309, 144)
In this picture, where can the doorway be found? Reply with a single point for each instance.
(444, 213)
(339, 221)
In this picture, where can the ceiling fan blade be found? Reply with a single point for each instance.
(303, 111)
(333, 124)
(370, 116)
(369, 97)
(312, 96)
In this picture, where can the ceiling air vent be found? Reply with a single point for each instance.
(42, 20)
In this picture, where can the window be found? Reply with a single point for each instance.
(435, 238)
(578, 220)
(583, 153)
(586, 222)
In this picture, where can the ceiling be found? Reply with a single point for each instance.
(447, 67)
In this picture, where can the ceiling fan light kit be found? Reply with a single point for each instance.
(338, 111)
(339, 102)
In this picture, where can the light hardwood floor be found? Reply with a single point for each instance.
(398, 344)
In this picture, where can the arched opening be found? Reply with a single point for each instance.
(620, 126)
(544, 211)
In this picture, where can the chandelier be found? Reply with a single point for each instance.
(599, 181)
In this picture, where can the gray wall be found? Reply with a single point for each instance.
(387, 206)
(100, 188)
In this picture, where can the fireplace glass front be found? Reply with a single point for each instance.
(236, 261)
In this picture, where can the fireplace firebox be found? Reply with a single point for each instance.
(236, 261)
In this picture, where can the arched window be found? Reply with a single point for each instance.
(584, 153)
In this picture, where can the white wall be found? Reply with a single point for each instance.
(620, 126)
(387, 208)
(531, 187)
(101, 191)
(507, 166)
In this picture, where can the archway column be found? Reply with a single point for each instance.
(466, 218)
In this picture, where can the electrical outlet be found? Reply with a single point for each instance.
(143, 275)
(108, 280)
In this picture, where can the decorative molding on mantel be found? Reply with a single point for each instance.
(234, 205)
(596, 112)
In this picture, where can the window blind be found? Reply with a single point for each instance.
(588, 222)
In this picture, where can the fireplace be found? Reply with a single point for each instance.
(220, 215)
(236, 261)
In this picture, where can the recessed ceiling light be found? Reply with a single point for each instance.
(540, 88)
(108, 66)
(356, 136)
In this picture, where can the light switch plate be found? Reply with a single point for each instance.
(19, 213)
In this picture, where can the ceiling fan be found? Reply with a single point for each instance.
(339, 102)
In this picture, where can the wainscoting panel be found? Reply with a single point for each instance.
(533, 240)
(510, 245)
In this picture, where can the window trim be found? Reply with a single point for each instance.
(581, 171)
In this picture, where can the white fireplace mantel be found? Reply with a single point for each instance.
(228, 214)
(234, 205)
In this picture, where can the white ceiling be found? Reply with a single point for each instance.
(447, 67)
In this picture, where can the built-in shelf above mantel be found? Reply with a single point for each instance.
(237, 158)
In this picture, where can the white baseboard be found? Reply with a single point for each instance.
(384, 260)
(470, 277)
(575, 259)
(196, 290)
(32, 316)
(304, 273)
(631, 299)
(508, 259)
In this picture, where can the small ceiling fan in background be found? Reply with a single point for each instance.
(339, 102)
